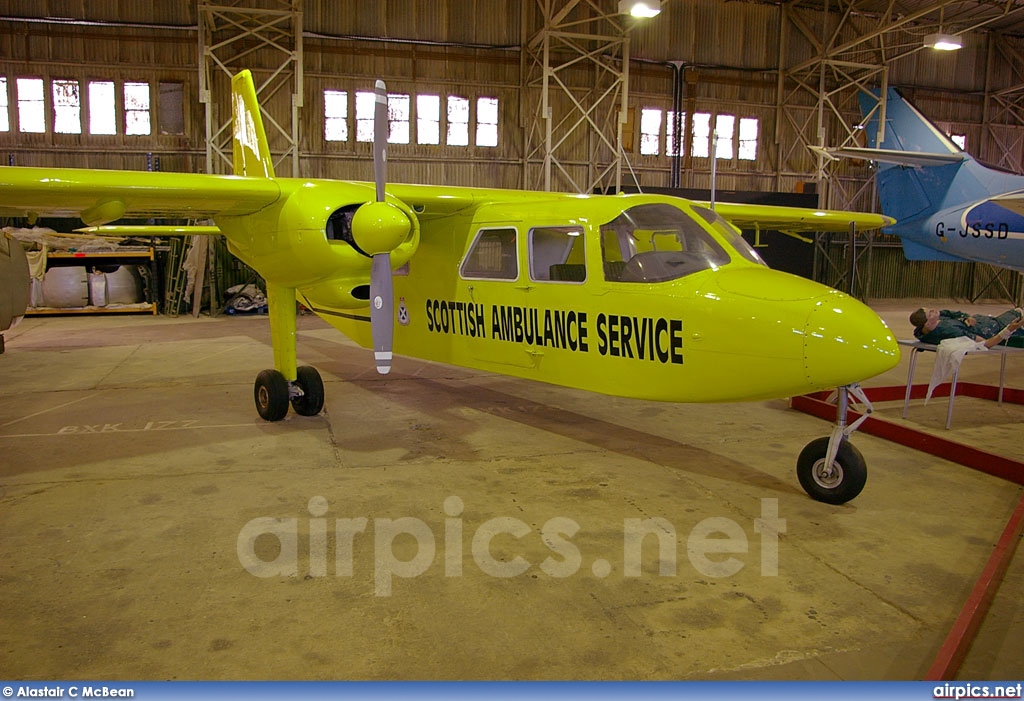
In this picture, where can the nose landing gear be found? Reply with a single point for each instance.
(831, 469)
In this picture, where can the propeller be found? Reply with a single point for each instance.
(379, 227)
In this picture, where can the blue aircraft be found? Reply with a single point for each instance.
(947, 205)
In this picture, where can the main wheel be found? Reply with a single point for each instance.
(271, 395)
(837, 483)
(312, 386)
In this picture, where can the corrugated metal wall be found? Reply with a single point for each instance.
(470, 48)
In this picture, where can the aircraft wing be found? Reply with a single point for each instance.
(103, 196)
(914, 159)
(793, 220)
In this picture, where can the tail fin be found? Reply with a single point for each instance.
(905, 191)
(906, 129)
(251, 154)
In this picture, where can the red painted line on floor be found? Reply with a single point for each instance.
(958, 642)
(961, 636)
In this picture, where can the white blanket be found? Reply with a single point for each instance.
(947, 359)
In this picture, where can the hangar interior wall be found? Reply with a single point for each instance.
(794, 68)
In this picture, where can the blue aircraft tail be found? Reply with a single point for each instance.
(940, 196)
(908, 188)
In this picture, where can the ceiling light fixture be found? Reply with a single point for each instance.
(644, 8)
(943, 42)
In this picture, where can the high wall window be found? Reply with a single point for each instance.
(406, 111)
(724, 139)
(458, 121)
(102, 111)
(487, 121)
(365, 105)
(136, 109)
(748, 139)
(5, 119)
(960, 140)
(701, 135)
(398, 119)
(650, 131)
(67, 107)
(335, 115)
(670, 127)
(31, 106)
(428, 119)
(172, 108)
(734, 138)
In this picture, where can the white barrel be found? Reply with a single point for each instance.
(65, 287)
(124, 286)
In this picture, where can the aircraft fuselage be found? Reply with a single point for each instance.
(729, 330)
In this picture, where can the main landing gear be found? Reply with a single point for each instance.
(273, 393)
(831, 469)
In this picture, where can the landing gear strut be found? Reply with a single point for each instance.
(831, 469)
(272, 393)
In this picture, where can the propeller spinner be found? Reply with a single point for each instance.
(378, 228)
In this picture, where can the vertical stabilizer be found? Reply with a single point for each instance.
(251, 154)
(906, 129)
(906, 192)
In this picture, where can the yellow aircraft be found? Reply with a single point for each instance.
(643, 296)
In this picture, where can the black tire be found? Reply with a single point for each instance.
(271, 395)
(312, 400)
(837, 485)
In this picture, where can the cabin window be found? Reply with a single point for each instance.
(657, 242)
(492, 256)
(557, 254)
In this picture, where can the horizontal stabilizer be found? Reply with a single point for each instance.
(914, 159)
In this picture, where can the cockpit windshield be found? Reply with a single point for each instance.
(731, 234)
(658, 242)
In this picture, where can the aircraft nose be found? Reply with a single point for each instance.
(845, 342)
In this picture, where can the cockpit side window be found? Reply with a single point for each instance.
(557, 254)
(657, 242)
(731, 234)
(492, 256)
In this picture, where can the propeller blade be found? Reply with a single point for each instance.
(382, 311)
(380, 139)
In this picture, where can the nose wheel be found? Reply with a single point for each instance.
(831, 469)
(836, 481)
(272, 393)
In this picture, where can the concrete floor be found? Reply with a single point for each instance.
(133, 459)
